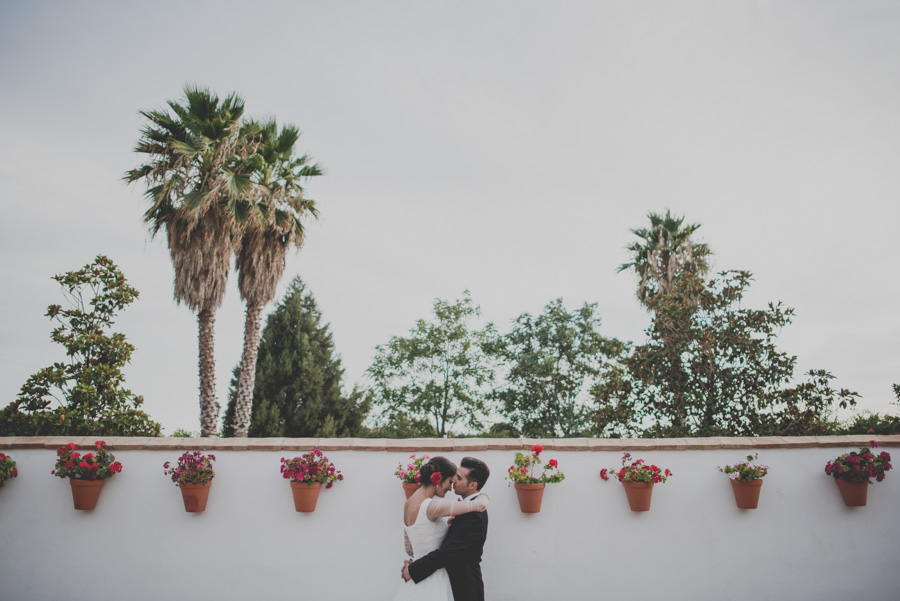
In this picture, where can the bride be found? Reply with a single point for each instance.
(425, 519)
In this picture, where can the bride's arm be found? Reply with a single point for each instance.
(441, 508)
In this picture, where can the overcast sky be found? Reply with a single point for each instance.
(500, 147)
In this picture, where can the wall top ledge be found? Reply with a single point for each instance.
(413, 445)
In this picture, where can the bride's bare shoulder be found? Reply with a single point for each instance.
(411, 509)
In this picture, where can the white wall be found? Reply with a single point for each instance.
(140, 544)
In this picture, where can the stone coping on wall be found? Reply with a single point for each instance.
(409, 445)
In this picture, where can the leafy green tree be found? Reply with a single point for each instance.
(554, 359)
(195, 181)
(439, 372)
(711, 367)
(297, 391)
(402, 425)
(664, 253)
(272, 226)
(88, 386)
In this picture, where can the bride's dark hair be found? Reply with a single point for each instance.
(442, 465)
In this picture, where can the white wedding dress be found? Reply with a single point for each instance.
(424, 536)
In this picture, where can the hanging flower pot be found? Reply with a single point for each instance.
(85, 493)
(410, 488)
(638, 494)
(193, 475)
(854, 493)
(86, 473)
(7, 468)
(409, 473)
(852, 472)
(746, 481)
(530, 496)
(638, 479)
(305, 496)
(746, 494)
(530, 486)
(307, 474)
(195, 496)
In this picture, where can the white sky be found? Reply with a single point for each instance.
(503, 147)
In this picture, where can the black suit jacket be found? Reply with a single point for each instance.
(460, 554)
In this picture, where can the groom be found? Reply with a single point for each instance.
(460, 553)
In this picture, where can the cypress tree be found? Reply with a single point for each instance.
(297, 392)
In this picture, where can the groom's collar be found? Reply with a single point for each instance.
(472, 496)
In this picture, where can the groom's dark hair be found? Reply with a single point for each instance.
(478, 470)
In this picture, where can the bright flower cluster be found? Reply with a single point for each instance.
(409, 473)
(312, 467)
(860, 467)
(193, 468)
(522, 471)
(7, 468)
(90, 466)
(745, 471)
(637, 471)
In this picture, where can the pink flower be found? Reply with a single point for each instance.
(873, 444)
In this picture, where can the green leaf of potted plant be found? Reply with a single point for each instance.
(853, 471)
(638, 479)
(307, 474)
(86, 473)
(193, 475)
(409, 473)
(746, 481)
(530, 487)
(7, 468)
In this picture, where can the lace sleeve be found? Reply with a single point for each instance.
(407, 544)
(439, 508)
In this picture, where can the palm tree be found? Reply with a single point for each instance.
(664, 253)
(272, 226)
(193, 177)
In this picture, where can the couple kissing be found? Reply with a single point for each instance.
(444, 534)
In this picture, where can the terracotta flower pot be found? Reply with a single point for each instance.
(638, 494)
(305, 496)
(409, 488)
(746, 494)
(854, 493)
(530, 496)
(194, 496)
(85, 493)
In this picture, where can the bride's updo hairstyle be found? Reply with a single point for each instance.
(441, 465)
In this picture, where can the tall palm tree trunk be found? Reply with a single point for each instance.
(209, 412)
(244, 402)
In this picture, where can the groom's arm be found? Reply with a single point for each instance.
(466, 535)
